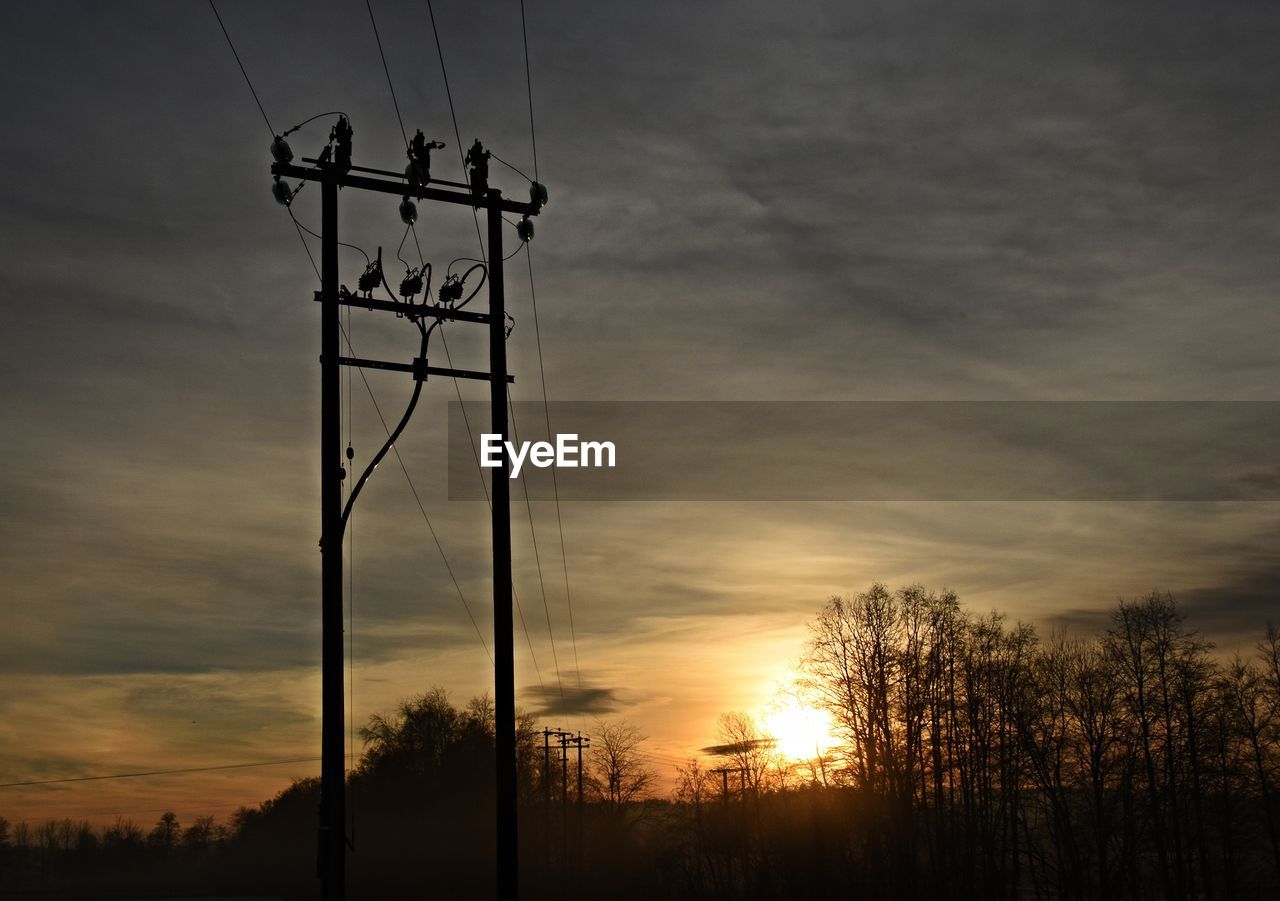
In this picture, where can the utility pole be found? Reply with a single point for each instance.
(333, 839)
(333, 173)
(546, 797)
(504, 672)
(564, 803)
(581, 742)
(724, 772)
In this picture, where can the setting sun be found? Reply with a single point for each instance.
(802, 732)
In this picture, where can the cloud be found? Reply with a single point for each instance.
(738, 747)
(572, 698)
(885, 201)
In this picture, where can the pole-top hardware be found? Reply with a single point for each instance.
(419, 169)
(280, 150)
(341, 136)
(408, 211)
(372, 275)
(411, 285)
(478, 167)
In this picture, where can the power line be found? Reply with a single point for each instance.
(475, 454)
(359, 250)
(528, 81)
(537, 332)
(511, 167)
(374, 23)
(423, 510)
(457, 135)
(193, 769)
(247, 81)
(555, 486)
(299, 226)
(515, 434)
(418, 500)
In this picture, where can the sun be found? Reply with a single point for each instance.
(802, 732)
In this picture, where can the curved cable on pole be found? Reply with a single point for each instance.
(314, 118)
(391, 438)
(484, 277)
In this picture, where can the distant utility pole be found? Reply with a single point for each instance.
(547, 735)
(333, 173)
(565, 739)
(581, 742)
(724, 772)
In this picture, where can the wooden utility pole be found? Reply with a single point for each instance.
(504, 672)
(332, 851)
(581, 742)
(332, 831)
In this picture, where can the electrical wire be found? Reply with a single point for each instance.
(367, 261)
(511, 167)
(403, 238)
(475, 454)
(422, 509)
(528, 81)
(482, 262)
(555, 487)
(418, 500)
(174, 772)
(421, 259)
(300, 228)
(392, 437)
(298, 225)
(457, 135)
(394, 102)
(231, 44)
(399, 119)
(314, 118)
(542, 372)
(533, 534)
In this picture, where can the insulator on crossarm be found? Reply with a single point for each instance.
(371, 277)
(524, 228)
(281, 152)
(341, 136)
(408, 211)
(451, 291)
(411, 285)
(281, 192)
(538, 194)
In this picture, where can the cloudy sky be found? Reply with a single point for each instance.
(752, 201)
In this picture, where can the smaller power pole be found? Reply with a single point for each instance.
(565, 738)
(581, 743)
(546, 805)
(547, 735)
(724, 772)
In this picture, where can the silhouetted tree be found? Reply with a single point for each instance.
(616, 766)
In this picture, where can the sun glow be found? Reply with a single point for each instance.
(802, 732)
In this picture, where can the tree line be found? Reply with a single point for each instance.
(980, 761)
(976, 760)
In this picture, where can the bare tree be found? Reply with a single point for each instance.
(616, 767)
(744, 742)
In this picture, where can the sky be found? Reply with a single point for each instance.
(906, 201)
